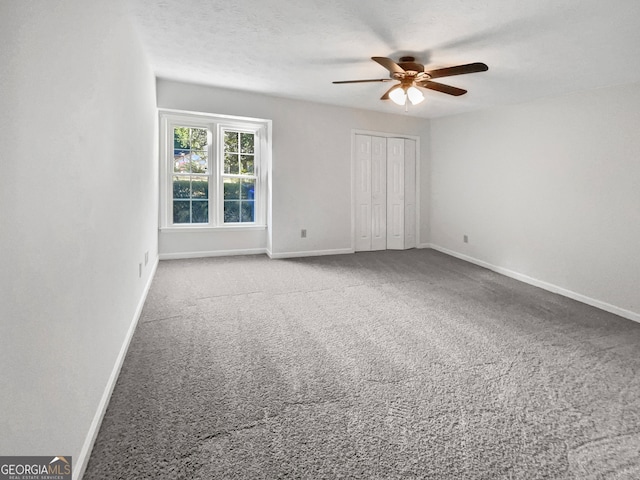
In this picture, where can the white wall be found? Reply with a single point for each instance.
(311, 166)
(78, 210)
(202, 243)
(549, 190)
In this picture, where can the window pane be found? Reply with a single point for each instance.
(190, 138)
(231, 163)
(247, 211)
(231, 211)
(181, 137)
(181, 211)
(246, 164)
(231, 188)
(231, 142)
(182, 187)
(200, 187)
(181, 160)
(200, 211)
(190, 150)
(246, 142)
(248, 189)
(198, 140)
(199, 161)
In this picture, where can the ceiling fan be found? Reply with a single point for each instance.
(412, 76)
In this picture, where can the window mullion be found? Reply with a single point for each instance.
(219, 177)
(210, 171)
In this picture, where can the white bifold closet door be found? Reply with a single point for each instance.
(385, 193)
(371, 193)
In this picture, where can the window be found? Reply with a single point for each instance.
(213, 172)
(239, 176)
(190, 175)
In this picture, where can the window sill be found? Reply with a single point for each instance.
(210, 229)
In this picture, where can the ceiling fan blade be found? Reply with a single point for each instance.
(386, 94)
(459, 70)
(364, 81)
(448, 89)
(389, 64)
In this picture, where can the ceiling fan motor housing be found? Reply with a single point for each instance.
(412, 70)
(410, 65)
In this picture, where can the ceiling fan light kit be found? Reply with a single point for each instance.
(412, 76)
(400, 93)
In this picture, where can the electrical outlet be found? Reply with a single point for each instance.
(303, 233)
(465, 239)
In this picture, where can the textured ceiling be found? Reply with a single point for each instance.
(295, 49)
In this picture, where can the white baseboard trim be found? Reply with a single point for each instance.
(83, 459)
(310, 253)
(212, 253)
(607, 307)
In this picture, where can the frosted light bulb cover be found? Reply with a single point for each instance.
(415, 95)
(398, 96)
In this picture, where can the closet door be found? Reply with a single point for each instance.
(401, 194)
(378, 193)
(370, 192)
(363, 193)
(395, 193)
(410, 194)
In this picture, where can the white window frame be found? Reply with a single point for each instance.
(215, 125)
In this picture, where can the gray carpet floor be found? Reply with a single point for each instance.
(381, 365)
